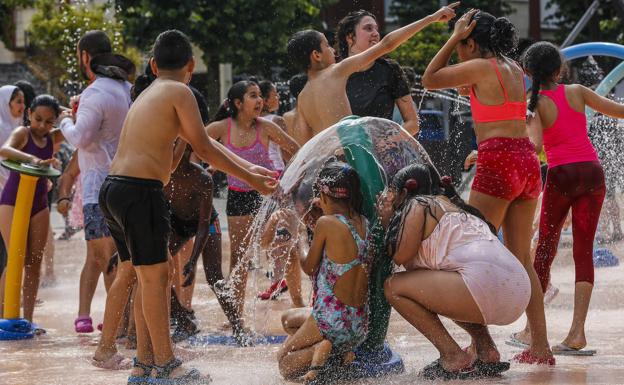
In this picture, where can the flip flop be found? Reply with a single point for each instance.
(564, 350)
(515, 342)
(115, 362)
(435, 371)
(491, 369)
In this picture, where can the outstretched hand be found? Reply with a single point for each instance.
(445, 14)
(464, 27)
(263, 180)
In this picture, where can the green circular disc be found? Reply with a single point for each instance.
(31, 169)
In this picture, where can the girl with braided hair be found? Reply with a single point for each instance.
(575, 177)
(456, 268)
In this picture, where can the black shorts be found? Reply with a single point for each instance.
(137, 215)
(240, 204)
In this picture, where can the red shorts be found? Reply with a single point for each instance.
(508, 168)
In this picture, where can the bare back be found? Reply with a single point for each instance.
(151, 126)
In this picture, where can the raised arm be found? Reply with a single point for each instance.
(601, 104)
(439, 74)
(392, 40)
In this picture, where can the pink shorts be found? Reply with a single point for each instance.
(508, 168)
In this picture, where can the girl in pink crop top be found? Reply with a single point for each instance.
(575, 177)
(240, 128)
(507, 182)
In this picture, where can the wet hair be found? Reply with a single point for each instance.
(266, 86)
(346, 27)
(236, 92)
(341, 183)
(422, 182)
(142, 82)
(95, 43)
(46, 101)
(201, 103)
(495, 35)
(542, 60)
(28, 90)
(296, 84)
(172, 50)
(301, 45)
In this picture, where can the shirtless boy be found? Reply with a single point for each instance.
(323, 101)
(134, 204)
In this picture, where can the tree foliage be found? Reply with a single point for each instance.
(55, 30)
(604, 26)
(252, 35)
(407, 11)
(418, 51)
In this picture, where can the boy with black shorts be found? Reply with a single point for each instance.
(135, 207)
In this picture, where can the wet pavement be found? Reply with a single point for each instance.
(61, 357)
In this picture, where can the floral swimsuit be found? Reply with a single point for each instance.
(344, 326)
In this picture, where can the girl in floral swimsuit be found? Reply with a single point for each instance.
(338, 261)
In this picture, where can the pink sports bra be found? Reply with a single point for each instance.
(482, 113)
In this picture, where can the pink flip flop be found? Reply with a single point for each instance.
(83, 324)
(116, 362)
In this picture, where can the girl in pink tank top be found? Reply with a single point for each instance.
(456, 268)
(240, 128)
(575, 177)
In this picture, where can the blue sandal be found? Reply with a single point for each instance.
(191, 377)
(145, 378)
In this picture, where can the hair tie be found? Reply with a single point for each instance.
(411, 184)
(446, 180)
(335, 192)
(346, 168)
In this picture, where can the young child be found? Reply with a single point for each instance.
(32, 144)
(339, 262)
(270, 105)
(323, 101)
(134, 205)
(239, 127)
(456, 268)
(575, 177)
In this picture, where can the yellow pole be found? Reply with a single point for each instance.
(17, 245)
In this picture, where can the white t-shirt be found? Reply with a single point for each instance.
(101, 113)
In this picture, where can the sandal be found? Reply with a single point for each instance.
(83, 324)
(115, 362)
(145, 378)
(526, 357)
(191, 377)
(435, 371)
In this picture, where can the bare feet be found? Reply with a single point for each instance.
(456, 362)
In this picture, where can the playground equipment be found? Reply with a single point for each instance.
(12, 327)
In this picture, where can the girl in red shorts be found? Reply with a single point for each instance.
(575, 177)
(507, 182)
